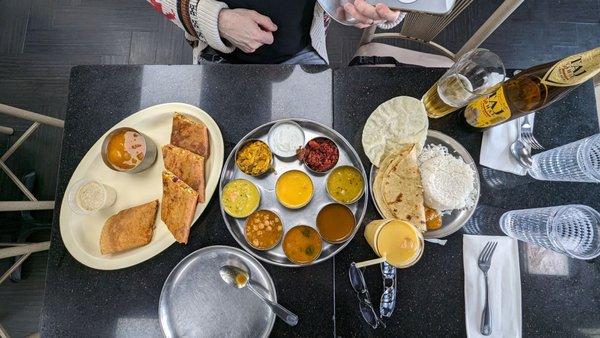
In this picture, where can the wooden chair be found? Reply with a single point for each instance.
(424, 28)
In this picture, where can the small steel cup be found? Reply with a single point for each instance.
(271, 164)
(147, 161)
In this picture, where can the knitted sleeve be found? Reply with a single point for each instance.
(198, 18)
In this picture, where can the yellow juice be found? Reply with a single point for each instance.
(398, 241)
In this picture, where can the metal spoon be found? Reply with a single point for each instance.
(239, 278)
(519, 150)
(521, 154)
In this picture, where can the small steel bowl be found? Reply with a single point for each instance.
(277, 125)
(237, 153)
(359, 195)
(316, 256)
(295, 206)
(147, 161)
(280, 235)
(255, 208)
(351, 230)
(324, 171)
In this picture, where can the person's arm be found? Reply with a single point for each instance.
(221, 28)
(198, 18)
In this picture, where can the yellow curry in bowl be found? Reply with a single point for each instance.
(294, 189)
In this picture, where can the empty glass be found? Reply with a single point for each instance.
(476, 73)
(573, 230)
(578, 161)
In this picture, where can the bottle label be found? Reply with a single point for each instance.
(573, 70)
(488, 111)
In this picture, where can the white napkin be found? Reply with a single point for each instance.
(504, 287)
(495, 147)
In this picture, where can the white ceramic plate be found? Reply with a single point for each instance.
(81, 233)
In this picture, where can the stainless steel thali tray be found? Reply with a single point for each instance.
(290, 218)
(453, 221)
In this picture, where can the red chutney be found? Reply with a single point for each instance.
(320, 154)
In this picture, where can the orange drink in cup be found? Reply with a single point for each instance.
(396, 242)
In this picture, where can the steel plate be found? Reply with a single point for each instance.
(306, 215)
(196, 302)
(454, 221)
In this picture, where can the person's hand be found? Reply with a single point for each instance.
(246, 29)
(368, 15)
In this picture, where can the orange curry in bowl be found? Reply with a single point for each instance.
(302, 244)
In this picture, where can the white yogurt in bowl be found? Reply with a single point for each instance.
(285, 138)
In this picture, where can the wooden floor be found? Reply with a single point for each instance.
(40, 40)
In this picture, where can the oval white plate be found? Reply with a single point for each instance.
(81, 233)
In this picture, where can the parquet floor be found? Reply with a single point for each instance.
(41, 39)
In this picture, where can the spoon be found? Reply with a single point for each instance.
(521, 154)
(239, 278)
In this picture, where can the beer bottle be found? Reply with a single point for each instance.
(533, 89)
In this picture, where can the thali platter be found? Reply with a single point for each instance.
(453, 221)
(81, 233)
(305, 215)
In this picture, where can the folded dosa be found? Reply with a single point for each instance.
(129, 228)
(186, 165)
(190, 135)
(178, 206)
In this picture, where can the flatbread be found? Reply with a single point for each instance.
(178, 206)
(186, 165)
(398, 188)
(129, 228)
(401, 120)
(190, 135)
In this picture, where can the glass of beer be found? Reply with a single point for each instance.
(476, 73)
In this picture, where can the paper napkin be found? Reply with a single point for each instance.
(495, 147)
(504, 287)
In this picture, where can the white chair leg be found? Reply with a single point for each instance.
(3, 332)
(31, 116)
(26, 205)
(24, 249)
(490, 25)
(6, 130)
(14, 267)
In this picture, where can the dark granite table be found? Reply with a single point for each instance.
(562, 300)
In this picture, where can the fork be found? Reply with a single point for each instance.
(527, 134)
(484, 262)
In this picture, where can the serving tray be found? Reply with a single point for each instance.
(290, 218)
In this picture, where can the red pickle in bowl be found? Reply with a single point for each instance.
(320, 154)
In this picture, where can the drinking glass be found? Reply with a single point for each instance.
(578, 161)
(573, 230)
(476, 73)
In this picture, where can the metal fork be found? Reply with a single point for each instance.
(484, 262)
(527, 134)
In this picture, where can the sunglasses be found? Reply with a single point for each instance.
(357, 280)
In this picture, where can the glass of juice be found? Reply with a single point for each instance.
(398, 241)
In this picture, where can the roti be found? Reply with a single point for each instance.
(129, 228)
(398, 189)
(186, 165)
(190, 135)
(178, 206)
(401, 120)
